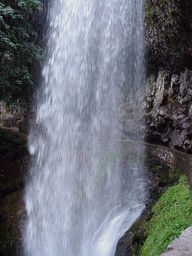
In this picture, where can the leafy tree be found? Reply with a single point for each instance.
(20, 50)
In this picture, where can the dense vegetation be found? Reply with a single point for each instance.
(20, 50)
(171, 215)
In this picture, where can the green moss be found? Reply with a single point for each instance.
(166, 176)
(163, 3)
(150, 11)
(171, 215)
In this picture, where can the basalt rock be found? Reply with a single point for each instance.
(169, 109)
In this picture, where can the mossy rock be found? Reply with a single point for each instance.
(165, 176)
(160, 223)
(168, 35)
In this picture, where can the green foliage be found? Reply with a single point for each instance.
(19, 49)
(171, 215)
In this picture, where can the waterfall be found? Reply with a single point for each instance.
(81, 194)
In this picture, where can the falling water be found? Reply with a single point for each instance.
(81, 195)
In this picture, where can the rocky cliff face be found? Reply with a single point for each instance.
(169, 71)
(169, 109)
